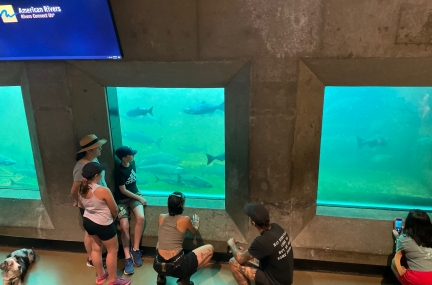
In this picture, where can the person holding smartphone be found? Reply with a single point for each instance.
(414, 244)
(272, 248)
(170, 259)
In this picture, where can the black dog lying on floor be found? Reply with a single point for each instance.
(15, 266)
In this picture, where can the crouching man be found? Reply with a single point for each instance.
(272, 248)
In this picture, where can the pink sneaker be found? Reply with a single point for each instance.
(120, 281)
(101, 280)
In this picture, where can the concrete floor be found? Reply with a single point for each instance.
(55, 268)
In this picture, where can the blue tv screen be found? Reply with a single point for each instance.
(57, 30)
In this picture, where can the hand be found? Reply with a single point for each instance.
(195, 221)
(75, 204)
(231, 242)
(242, 249)
(143, 201)
(395, 234)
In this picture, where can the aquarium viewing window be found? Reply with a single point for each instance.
(376, 148)
(180, 137)
(18, 177)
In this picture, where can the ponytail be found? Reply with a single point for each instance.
(84, 187)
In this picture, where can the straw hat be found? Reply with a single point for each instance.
(90, 142)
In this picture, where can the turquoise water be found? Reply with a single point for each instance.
(17, 171)
(177, 140)
(376, 148)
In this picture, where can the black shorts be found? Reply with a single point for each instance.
(184, 264)
(102, 232)
(261, 278)
(81, 211)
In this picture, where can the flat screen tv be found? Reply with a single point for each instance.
(57, 30)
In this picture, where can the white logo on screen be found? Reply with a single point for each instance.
(39, 12)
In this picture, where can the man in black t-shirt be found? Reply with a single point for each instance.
(128, 197)
(272, 248)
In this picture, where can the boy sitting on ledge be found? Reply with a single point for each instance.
(128, 198)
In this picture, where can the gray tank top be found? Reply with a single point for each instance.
(96, 210)
(169, 236)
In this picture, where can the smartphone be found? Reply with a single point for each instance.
(397, 225)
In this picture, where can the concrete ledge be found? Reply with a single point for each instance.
(345, 240)
(24, 213)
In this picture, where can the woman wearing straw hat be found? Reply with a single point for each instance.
(90, 150)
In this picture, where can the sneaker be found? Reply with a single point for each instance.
(136, 257)
(89, 263)
(101, 280)
(160, 279)
(129, 269)
(120, 281)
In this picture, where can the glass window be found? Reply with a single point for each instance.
(180, 137)
(18, 177)
(376, 148)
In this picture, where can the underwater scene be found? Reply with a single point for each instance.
(18, 177)
(376, 148)
(180, 137)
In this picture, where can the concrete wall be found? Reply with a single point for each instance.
(274, 36)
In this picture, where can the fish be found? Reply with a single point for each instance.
(194, 182)
(166, 169)
(159, 157)
(6, 160)
(211, 158)
(377, 140)
(138, 112)
(142, 138)
(203, 108)
(145, 119)
(169, 180)
(190, 148)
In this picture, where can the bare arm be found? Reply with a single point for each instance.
(105, 194)
(74, 191)
(129, 194)
(242, 256)
(397, 261)
(192, 225)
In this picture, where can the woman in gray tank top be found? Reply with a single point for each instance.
(170, 259)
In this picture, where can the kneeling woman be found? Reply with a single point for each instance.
(170, 259)
(100, 211)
